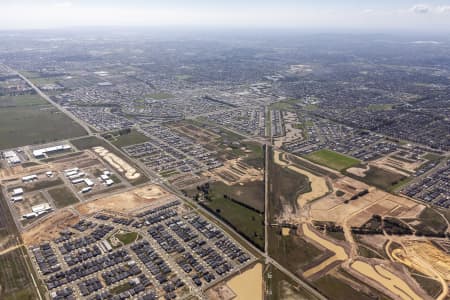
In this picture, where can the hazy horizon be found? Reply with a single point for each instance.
(350, 15)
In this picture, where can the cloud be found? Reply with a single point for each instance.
(368, 11)
(63, 4)
(444, 9)
(420, 9)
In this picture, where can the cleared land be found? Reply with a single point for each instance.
(248, 285)
(386, 279)
(92, 141)
(29, 119)
(436, 283)
(126, 201)
(339, 252)
(117, 163)
(318, 184)
(62, 197)
(332, 159)
(49, 228)
(285, 187)
(375, 202)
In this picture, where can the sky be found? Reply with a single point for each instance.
(382, 15)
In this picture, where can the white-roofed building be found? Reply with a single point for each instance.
(41, 207)
(41, 153)
(17, 192)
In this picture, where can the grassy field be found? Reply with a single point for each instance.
(256, 157)
(127, 237)
(378, 107)
(337, 235)
(24, 125)
(382, 178)
(92, 141)
(65, 156)
(285, 105)
(21, 101)
(245, 220)
(432, 157)
(292, 252)
(284, 187)
(132, 138)
(431, 221)
(308, 166)
(62, 197)
(431, 286)
(15, 281)
(29, 119)
(332, 159)
(336, 289)
(282, 286)
(160, 96)
(250, 193)
(367, 252)
(121, 288)
(44, 184)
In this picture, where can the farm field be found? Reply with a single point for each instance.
(29, 119)
(15, 280)
(18, 126)
(332, 159)
(21, 100)
(246, 221)
(249, 193)
(292, 251)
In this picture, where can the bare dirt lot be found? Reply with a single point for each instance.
(19, 171)
(49, 228)
(126, 201)
(339, 252)
(424, 250)
(220, 292)
(375, 202)
(198, 134)
(395, 164)
(248, 285)
(235, 170)
(24, 207)
(386, 279)
(117, 163)
(318, 184)
(293, 133)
